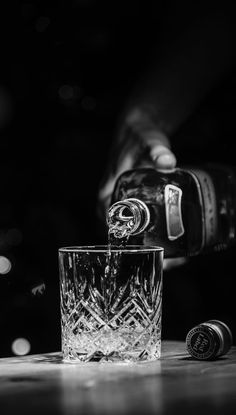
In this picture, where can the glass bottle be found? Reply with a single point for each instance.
(186, 210)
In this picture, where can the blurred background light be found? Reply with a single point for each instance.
(38, 289)
(21, 346)
(66, 92)
(88, 103)
(42, 23)
(5, 265)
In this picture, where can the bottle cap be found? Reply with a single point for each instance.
(209, 340)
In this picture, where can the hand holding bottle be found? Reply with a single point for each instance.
(139, 143)
(163, 99)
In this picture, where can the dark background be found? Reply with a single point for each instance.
(66, 70)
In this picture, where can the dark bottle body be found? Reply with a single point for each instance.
(192, 210)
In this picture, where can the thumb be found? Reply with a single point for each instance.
(159, 148)
(162, 157)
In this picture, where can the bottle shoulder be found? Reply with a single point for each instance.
(147, 183)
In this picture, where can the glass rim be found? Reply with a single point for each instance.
(114, 248)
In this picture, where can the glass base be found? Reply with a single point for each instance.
(139, 354)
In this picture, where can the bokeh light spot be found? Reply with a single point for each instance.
(66, 92)
(21, 346)
(88, 103)
(38, 289)
(42, 23)
(5, 265)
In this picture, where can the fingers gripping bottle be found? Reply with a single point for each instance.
(186, 210)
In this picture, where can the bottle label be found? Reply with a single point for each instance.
(200, 343)
(174, 222)
(209, 206)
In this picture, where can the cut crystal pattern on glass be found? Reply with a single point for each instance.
(111, 312)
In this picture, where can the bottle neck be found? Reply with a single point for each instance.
(128, 217)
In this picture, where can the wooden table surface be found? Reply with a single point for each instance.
(176, 383)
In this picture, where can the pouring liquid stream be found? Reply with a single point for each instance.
(119, 225)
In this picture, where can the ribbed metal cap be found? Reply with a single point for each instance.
(209, 340)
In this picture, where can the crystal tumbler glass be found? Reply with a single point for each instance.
(111, 303)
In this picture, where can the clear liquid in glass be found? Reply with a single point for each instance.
(111, 305)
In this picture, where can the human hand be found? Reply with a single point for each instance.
(140, 143)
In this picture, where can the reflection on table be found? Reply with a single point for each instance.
(45, 384)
